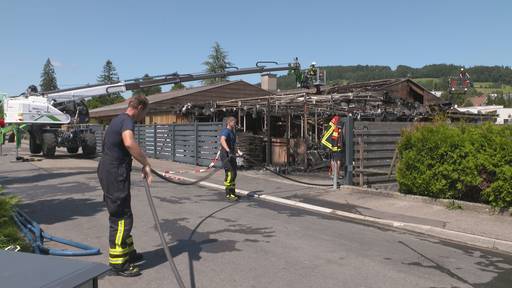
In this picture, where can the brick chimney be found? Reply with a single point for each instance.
(269, 82)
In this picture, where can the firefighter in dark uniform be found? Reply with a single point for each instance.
(228, 153)
(119, 146)
(332, 139)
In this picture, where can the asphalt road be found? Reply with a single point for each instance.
(250, 243)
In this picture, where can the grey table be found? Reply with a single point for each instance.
(30, 270)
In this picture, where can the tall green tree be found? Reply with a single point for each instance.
(48, 77)
(108, 76)
(217, 62)
(147, 90)
(177, 86)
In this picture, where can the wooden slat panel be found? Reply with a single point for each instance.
(359, 133)
(382, 140)
(377, 147)
(380, 179)
(379, 155)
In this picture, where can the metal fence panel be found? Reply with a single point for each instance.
(195, 143)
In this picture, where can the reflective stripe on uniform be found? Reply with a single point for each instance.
(116, 260)
(120, 251)
(228, 183)
(327, 135)
(120, 231)
(118, 254)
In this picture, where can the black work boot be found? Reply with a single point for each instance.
(127, 270)
(135, 258)
(232, 195)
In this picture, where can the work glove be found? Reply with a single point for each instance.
(239, 153)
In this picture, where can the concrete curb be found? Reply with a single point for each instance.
(469, 206)
(465, 238)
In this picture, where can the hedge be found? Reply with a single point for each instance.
(463, 161)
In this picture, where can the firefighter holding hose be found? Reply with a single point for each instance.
(228, 153)
(119, 146)
(332, 139)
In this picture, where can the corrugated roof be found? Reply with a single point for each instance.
(120, 107)
(165, 96)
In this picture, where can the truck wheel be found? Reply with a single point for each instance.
(72, 149)
(89, 144)
(35, 148)
(11, 138)
(49, 144)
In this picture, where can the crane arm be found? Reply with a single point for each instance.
(83, 92)
(46, 108)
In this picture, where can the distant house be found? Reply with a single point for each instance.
(187, 105)
(478, 100)
(504, 114)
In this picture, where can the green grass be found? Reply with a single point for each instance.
(426, 79)
(489, 87)
(430, 83)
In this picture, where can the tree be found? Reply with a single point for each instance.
(217, 62)
(177, 86)
(147, 90)
(48, 77)
(108, 76)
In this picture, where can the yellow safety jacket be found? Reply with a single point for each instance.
(332, 137)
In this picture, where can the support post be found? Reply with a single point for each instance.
(335, 175)
(302, 127)
(173, 145)
(269, 140)
(289, 128)
(196, 142)
(239, 114)
(245, 121)
(361, 160)
(349, 149)
(154, 141)
(316, 125)
(306, 138)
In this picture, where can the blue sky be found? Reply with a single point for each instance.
(157, 37)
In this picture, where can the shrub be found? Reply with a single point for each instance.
(9, 234)
(463, 161)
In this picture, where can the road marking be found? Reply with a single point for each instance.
(460, 237)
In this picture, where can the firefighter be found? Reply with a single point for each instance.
(312, 70)
(119, 146)
(463, 75)
(228, 153)
(464, 79)
(332, 139)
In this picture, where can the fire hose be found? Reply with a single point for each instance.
(162, 238)
(210, 174)
(287, 177)
(36, 237)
